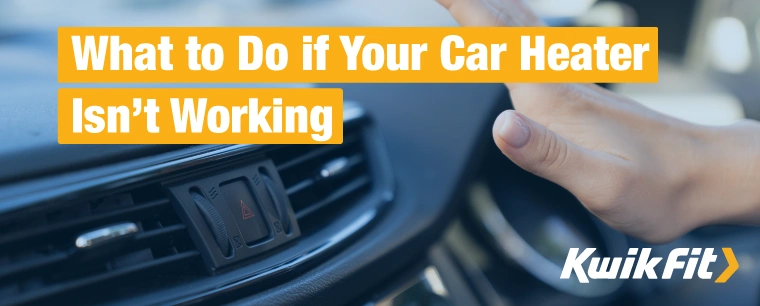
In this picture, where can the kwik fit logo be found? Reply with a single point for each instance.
(693, 261)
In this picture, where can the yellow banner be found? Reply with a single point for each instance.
(326, 55)
(200, 116)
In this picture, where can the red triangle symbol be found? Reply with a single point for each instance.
(247, 213)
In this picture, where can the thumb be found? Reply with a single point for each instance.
(543, 152)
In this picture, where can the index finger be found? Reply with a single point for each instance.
(493, 13)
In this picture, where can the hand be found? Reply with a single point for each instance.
(646, 174)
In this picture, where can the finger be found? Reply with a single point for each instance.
(539, 150)
(474, 13)
(491, 13)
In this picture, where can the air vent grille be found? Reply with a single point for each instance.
(323, 179)
(39, 260)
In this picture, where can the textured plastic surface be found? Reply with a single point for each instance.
(214, 222)
(279, 200)
(215, 185)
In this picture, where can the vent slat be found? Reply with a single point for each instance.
(161, 233)
(141, 240)
(65, 287)
(32, 265)
(319, 179)
(344, 190)
(158, 236)
(322, 150)
(353, 161)
(136, 211)
(297, 187)
(40, 262)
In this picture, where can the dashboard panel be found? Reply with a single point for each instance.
(432, 165)
(428, 176)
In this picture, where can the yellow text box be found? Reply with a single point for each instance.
(217, 116)
(481, 54)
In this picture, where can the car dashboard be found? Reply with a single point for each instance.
(351, 227)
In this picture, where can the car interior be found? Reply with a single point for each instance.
(417, 206)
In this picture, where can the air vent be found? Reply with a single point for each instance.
(42, 259)
(323, 179)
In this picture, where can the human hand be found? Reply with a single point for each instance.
(644, 173)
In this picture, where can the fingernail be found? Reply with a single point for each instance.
(514, 131)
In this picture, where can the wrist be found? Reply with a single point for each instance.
(729, 177)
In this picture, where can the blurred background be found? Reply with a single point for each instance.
(709, 74)
(710, 49)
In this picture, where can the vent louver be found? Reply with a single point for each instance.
(111, 235)
(39, 260)
(322, 179)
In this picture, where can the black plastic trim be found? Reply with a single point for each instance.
(204, 236)
(40, 194)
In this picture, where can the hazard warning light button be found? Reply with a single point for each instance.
(250, 220)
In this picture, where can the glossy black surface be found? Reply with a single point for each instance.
(435, 135)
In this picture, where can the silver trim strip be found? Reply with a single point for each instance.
(334, 167)
(102, 235)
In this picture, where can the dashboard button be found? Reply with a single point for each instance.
(246, 211)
